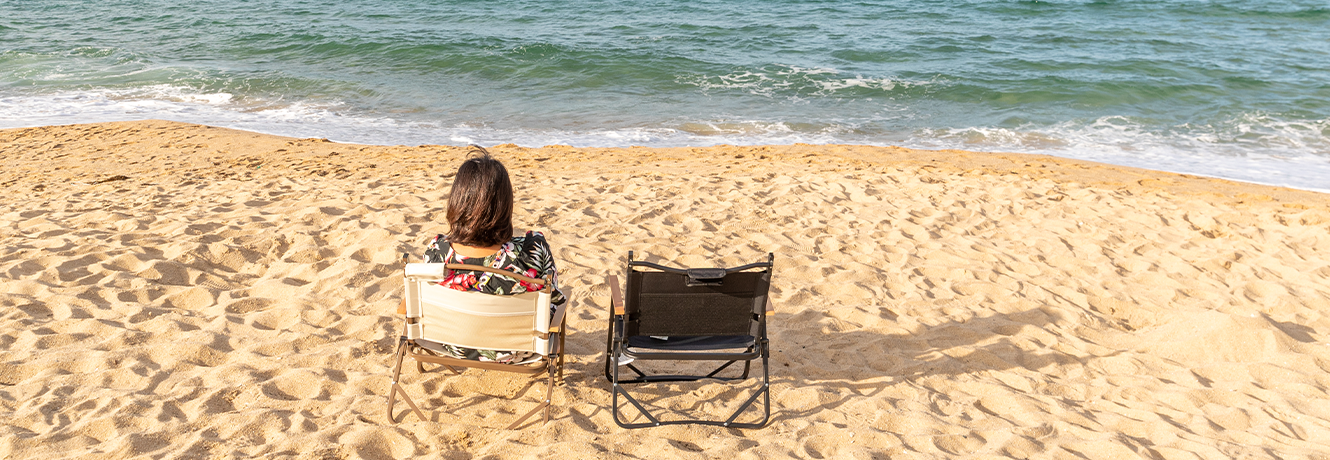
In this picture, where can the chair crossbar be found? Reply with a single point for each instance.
(643, 377)
(763, 391)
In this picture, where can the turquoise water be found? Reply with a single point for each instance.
(1235, 89)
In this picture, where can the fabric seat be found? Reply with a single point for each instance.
(691, 343)
(683, 314)
(437, 316)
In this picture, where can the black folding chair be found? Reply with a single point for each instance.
(689, 314)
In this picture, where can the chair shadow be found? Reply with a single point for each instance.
(436, 403)
(853, 362)
(954, 347)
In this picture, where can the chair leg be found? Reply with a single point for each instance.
(747, 365)
(397, 373)
(614, 408)
(420, 367)
(392, 400)
(549, 396)
(401, 353)
(763, 391)
(609, 345)
(561, 380)
(402, 347)
(544, 405)
(562, 334)
(616, 389)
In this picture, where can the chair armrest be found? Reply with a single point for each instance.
(556, 321)
(616, 294)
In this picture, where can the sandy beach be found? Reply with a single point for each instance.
(182, 291)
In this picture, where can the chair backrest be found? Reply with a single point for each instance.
(669, 301)
(475, 319)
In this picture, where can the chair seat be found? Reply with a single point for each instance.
(431, 345)
(439, 348)
(698, 343)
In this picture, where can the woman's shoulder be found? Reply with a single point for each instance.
(532, 243)
(531, 236)
(437, 248)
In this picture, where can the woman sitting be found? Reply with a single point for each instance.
(480, 228)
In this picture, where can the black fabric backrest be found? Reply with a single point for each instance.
(662, 304)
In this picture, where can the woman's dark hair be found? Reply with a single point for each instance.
(480, 206)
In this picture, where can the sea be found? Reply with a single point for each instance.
(1237, 89)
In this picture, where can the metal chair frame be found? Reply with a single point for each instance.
(617, 344)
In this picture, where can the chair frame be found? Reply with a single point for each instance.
(551, 363)
(617, 345)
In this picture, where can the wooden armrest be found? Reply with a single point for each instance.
(616, 295)
(557, 320)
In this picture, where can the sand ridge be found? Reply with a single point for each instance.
(174, 290)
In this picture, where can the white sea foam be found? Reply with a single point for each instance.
(795, 82)
(179, 104)
(1284, 153)
(1254, 147)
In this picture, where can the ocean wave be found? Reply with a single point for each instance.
(1251, 147)
(800, 82)
(1255, 147)
(168, 102)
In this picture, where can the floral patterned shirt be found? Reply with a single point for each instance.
(528, 254)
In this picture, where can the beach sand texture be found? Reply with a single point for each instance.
(180, 291)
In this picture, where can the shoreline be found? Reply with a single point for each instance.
(1036, 166)
(178, 290)
(1223, 170)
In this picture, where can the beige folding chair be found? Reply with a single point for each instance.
(437, 315)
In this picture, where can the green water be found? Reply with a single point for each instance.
(1237, 89)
